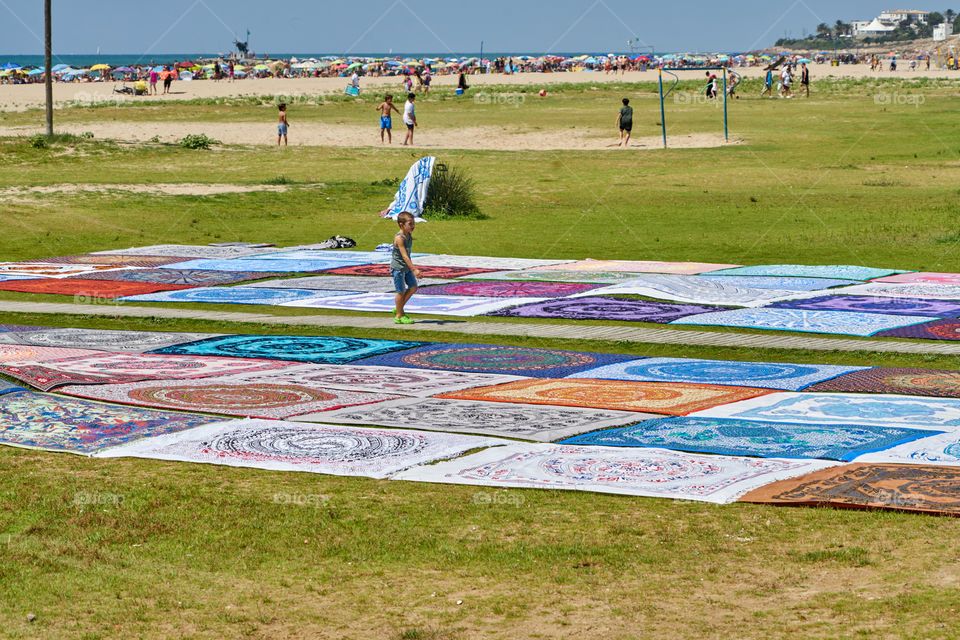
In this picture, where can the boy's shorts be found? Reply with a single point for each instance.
(403, 280)
(410, 126)
(281, 129)
(385, 122)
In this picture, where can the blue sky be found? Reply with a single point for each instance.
(435, 26)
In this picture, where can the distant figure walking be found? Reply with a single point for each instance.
(804, 80)
(409, 118)
(768, 83)
(625, 123)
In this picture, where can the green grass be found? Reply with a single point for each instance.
(101, 548)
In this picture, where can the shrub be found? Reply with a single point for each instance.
(38, 141)
(451, 194)
(198, 141)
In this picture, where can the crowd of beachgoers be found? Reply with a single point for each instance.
(329, 67)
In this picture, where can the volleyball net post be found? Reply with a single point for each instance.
(676, 80)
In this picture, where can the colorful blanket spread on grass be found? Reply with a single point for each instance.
(16, 353)
(556, 275)
(403, 382)
(352, 257)
(146, 262)
(435, 305)
(190, 251)
(788, 283)
(318, 448)
(507, 289)
(39, 376)
(948, 329)
(641, 472)
(642, 266)
(846, 408)
(383, 270)
(86, 291)
(41, 421)
(921, 277)
(102, 339)
(878, 304)
(487, 358)
(220, 395)
(750, 438)
(836, 322)
(324, 349)
(189, 277)
(842, 271)
(938, 450)
(159, 366)
(411, 195)
(53, 270)
(655, 397)
(235, 295)
(9, 387)
(344, 283)
(607, 308)
(270, 267)
(531, 422)
(870, 486)
(913, 382)
(693, 289)
(766, 375)
(486, 262)
(887, 290)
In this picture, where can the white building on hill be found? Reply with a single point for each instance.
(941, 31)
(871, 27)
(898, 16)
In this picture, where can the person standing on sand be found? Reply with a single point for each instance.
(768, 83)
(625, 123)
(409, 118)
(154, 76)
(386, 124)
(804, 80)
(282, 124)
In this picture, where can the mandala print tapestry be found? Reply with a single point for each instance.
(270, 267)
(693, 289)
(928, 291)
(937, 450)
(836, 322)
(103, 339)
(383, 271)
(190, 251)
(604, 308)
(788, 283)
(189, 277)
(486, 262)
(878, 304)
(557, 275)
(436, 305)
(146, 262)
(937, 330)
(843, 271)
(912, 382)
(158, 366)
(359, 284)
(921, 277)
(17, 353)
(640, 472)
(325, 349)
(86, 291)
(641, 266)
(234, 295)
(317, 448)
(505, 289)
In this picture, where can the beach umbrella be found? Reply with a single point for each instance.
(34, 72)
(806, 60)
(9, 66)
(123, 69)
(99, 67)
(260, 67)
(57, 68)
(353, 65)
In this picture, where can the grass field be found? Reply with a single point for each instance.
(139, 548)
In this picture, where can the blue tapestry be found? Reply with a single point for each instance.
(324, 349)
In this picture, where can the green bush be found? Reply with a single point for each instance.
(38, 141)
(451, 195)
(198, 141)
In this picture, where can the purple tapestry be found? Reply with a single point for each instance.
(508, 289)
(948, 329)
(607, 308)
(877, 304)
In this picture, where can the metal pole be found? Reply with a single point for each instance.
(725, 105)
(47, 63)
(663, 120)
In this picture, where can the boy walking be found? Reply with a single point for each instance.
(409, 118)
(282, 124)
(401, 267)
(625, 122)
(386, 123)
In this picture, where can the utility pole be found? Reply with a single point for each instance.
(47, 63)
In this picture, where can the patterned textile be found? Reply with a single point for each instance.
(877, 304)
(487, 358)
(363, 284)
(506, 289)
(190, 251)
(693, 289)
(641, 472)
(938, 450)
(435, 305)
(325, 349)
(84, 291)
(351, 257)
(486, 262)
(921, 277)
(189, 277)
(843, 271)
(103, 339)
(912, 382)
(607, 308)
(411, 195)
(403, 382)
(235, 295)
(43, 270)
(766, 375)
(746, 438)
(845, 408)
(16, 353)
(318, 448)
(41, 421)
(45, 378)
(147, 262)
(556, 275)
(924, 489)
(5, 328)
(532, 422)
(838, 322)
(220, 395)
(781, 282)
(930, 291)
(158, 367)
(9, 387)
(937, 330)
(6, 277)
(655, 397)
(383, 270)
(272, 267)
(641, 266)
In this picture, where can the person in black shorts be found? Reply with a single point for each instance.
(804, 80)
(625, 122)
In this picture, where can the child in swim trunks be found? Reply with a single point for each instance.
(402, 269)
(282, 124)
(385, 108)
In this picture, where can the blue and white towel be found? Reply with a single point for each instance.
(412, 193)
